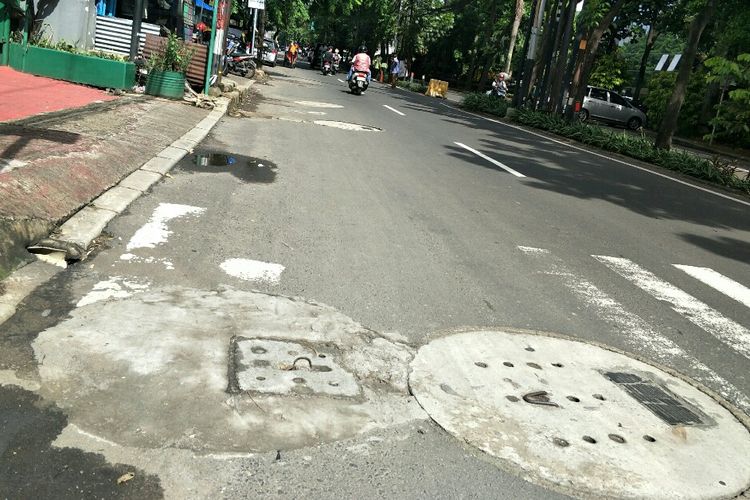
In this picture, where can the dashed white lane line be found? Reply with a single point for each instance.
(700, 314)
(491, 160)
(339, 79)
(611, 158)
(638, 333)
(719, 282)
(394, 110)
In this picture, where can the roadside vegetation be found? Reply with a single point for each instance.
(479, 101)
(638, 147)
(413, 86)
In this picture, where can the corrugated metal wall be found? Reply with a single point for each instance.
(196, 72)
(113, 34)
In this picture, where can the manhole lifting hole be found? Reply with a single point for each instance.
(606, 425)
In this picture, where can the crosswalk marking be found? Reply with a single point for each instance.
(638, 333)
(719, 282)
(699, 313)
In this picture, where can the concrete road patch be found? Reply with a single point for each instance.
(581, 418)
(179, 367)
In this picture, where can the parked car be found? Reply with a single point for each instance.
(610, 106)
(269, 52)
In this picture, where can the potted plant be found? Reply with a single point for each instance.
(166, 69)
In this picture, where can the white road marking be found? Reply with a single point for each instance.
(155, 231)
(611, 158)
(317, 104)
(638, 333)
(253, 270)
(718, 281)
(339, 79)
(491, 160)
(394, 110)
(700, 314)
(114, 288)
(532, 250)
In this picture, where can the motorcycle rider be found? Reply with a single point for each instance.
(360, 62)
(499, 87)
(328, 57)
(336, 60)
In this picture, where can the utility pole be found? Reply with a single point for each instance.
(537, 13)
(136, 29)
(255, 27)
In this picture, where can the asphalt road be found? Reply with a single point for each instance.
(438, 219)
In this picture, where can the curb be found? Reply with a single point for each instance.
(89, 222)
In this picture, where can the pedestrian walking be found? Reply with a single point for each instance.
(395, 69)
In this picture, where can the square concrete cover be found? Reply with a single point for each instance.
(276, 367)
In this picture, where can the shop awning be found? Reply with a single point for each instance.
(203, 5)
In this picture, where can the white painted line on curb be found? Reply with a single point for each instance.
(611, 158)
(638, 333)
(728, 331)
(394, 110)
(718, 281)
(494, 162)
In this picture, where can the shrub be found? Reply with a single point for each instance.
(478, 101)
(637, 147)
(176, 56)
(413, 86)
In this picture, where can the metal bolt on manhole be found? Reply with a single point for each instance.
(650, 435)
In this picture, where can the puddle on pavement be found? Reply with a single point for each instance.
(245, 168)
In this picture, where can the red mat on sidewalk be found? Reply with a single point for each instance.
(23, 95)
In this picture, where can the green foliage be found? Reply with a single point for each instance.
(609, 71)
(660, 89)
(39, 39)
(478, 101)
(637, 147)
(413, 86)
(732, 121)
(176, 56)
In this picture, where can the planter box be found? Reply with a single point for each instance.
(77, 68)
(169, 84)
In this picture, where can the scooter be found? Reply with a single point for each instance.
(327, 68)
(358, 82)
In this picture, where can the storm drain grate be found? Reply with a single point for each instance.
(658, 400)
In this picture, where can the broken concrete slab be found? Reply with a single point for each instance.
(140, 180)
(116, 199)
(85, 225)
(177, 354)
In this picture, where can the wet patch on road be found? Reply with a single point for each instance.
(32, 467)
(245, 168)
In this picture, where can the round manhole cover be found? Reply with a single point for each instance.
(582, 418)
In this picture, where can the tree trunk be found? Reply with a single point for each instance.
(514, 34)
(586, 56)
(650, 40)
(671, 114)
(558, 70)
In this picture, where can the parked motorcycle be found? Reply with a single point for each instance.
(358, 82)
(239, 63)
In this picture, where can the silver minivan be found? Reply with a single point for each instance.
(610, 106)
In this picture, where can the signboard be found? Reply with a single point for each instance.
(256, 4)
